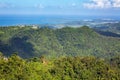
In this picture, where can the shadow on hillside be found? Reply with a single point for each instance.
(22, 46)
(6, 49)
(107, 33)
(18, 45)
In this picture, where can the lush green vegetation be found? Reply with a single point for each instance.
(63, 68)
(33, 42)
(58, 54)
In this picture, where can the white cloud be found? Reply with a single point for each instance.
(102, 4)
(98, 4)
(116, 3)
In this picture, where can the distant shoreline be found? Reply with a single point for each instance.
(15, 20)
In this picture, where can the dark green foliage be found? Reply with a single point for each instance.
(84, 41)
(59, 51)
(107, 33)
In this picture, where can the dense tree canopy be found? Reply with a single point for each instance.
(83, 41)
(63, 68)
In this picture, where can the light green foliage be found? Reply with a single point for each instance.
(64, 68)
(86, 68)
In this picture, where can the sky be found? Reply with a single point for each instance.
(61, 7)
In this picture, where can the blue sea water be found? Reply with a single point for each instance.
(11, 20)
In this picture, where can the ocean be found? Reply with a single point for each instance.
(12, 20)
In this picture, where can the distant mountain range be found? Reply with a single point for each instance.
(107, 27)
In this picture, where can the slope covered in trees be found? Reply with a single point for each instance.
(30, 42)
(58, 54)
(63, 68)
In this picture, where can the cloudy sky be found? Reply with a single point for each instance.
(61, 7)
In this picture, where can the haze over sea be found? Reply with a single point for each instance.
(12, 20)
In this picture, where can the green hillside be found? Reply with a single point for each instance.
(110, 27)
(64, 68)
(34, 42)
(58, 54)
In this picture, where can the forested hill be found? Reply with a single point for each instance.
(30, 42)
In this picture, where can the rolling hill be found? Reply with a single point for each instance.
(34, 42)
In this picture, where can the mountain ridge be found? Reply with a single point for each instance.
(67, 41)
